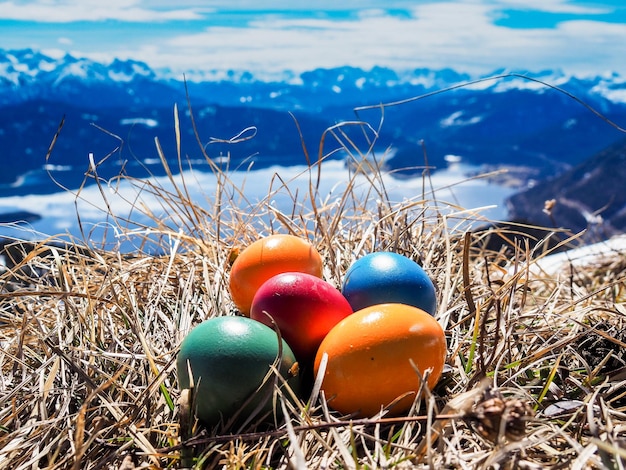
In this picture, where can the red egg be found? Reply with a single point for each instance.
(304, 307)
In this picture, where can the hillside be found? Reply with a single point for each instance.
(589, 196)
(125, 138)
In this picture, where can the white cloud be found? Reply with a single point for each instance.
(553, 6)
(460, 35)
(66, 11)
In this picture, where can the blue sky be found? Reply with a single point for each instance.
(479, 37)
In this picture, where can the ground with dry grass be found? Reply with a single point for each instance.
(535, 375)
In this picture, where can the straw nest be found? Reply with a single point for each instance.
(535, 375)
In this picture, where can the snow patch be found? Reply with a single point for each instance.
(455, 120)
(140, 121)
(577, 257)
(614, 92)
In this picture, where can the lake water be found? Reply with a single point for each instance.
(87, 214)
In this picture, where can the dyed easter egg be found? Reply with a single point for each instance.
(304, 307)
(227, 359)
(373, 355)
(266, 258)
(386, 277)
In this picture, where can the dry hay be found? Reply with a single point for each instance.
(535, 375)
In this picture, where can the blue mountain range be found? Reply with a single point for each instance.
(540, 122)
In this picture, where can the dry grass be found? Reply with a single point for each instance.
(535, 378)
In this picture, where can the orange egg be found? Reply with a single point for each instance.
(370, 354)
(267, 257)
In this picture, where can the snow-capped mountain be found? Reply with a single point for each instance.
(26, 73)
(27, 66)
(120, 107)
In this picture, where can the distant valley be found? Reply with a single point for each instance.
(116, 111)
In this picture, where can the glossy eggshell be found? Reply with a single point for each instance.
(266, 258)
(370, 356)
(229, 358)
(304, 307)
(386, 277)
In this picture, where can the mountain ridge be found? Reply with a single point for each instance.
(28, 67)
(587, 197)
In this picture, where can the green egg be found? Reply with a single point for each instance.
(229, 358)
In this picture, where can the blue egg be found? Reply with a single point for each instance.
(386, 277)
